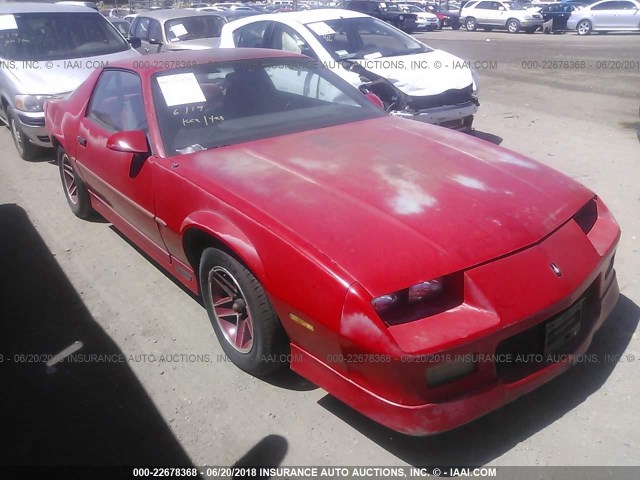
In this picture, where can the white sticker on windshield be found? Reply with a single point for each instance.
(8, 22)
(373, 55)
(321, 28)
(181, 89)
(178, 30)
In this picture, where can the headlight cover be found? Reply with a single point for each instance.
(31, 103)
(421, 300)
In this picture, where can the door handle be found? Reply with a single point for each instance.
(82, 141)
(146, 50)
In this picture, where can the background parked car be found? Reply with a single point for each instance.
(384, 11)
(72, 40)
(424, 20)
(372, 56)
(489, 14)
(448, 18)
(606, 16)
(559, 12)
(180, 29)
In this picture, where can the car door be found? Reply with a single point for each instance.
(604, 15)
(140, 30)
(482, 13)
(122, 181)
(627, 15)
(500, 13)
(155, 42)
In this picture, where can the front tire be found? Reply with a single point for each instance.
(27, 150)
(241, 314)
(75, 190)
(513, 25)
(471, 24)
(584, 27)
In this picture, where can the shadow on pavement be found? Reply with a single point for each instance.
(489, 137)
(90, 411)
(489, 437)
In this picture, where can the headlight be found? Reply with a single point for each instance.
(420, 300)
(30, 103)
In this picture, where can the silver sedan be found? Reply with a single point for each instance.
(605, 16)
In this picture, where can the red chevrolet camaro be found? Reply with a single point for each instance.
(420, 275)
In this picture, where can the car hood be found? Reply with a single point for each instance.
(60, 76)
(391, 198)
(422, 74)
(198, 44)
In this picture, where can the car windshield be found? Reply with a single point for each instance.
(413, 9)
(363, 37)
(52, 36)
(217, 104)
(193, 28)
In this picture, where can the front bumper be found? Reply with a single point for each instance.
(426, 24)
(531, 23)
(441, 115)
(32, 126)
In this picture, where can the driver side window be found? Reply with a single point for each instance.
(250, 36)
(287, 39)
(142, 29)
(117, 103)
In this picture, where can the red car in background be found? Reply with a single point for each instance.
(420, 275)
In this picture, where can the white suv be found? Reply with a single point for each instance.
(490, 14)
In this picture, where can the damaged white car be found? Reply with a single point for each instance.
(412, 80)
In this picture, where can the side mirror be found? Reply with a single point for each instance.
(134, 141)
(375, 99)
(134, 42)
(155, 41)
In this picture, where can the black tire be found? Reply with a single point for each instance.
(27, 150)
(268, 348)
(470, 24)
(584, 27)
(513, 25)
(75, 190)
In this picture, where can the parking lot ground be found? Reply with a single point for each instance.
(86, 283)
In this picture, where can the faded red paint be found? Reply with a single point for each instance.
(329, 219)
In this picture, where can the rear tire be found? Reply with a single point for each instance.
(241, 314)
(75, 190)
